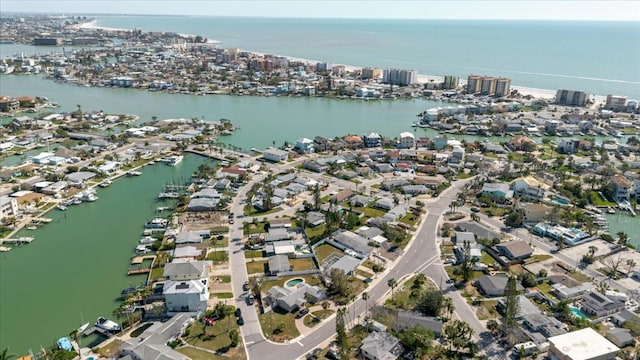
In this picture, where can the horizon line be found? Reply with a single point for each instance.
(312, 17)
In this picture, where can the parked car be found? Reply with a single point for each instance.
(475, 209)
(245, 286)
(238, 312)
(250, 299)
(301, 313)
(240, 321)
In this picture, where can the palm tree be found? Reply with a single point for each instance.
(5, 355)
(365, 297)
(118, 312)
(630, 265)
(392, 283)
(227, 311)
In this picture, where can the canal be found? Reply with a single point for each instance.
(76, 267)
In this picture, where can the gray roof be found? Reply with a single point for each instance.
(186, 251)
(80, 176)
(479, 230)
(525, 307)
(202, 204)
(407, 319)
(494, 284)
(353, 241)
(185, 268)
(515, 248)
(359, 200)
(151, 345)
(347, 264)
(276, 234)
(369, 232)
(279, 263)
(461, 236)
(315, 218)
(493, 187)
(193, 236)
(379, 345)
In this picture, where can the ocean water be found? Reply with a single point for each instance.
(598, 57)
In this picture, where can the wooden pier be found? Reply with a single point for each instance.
(17, 241)
(138, 271)
(98, 330)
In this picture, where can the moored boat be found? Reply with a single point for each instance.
(105, 183)
(61, 207)
(82, 328)
(107, 325)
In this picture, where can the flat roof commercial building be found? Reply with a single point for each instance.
(585, 344)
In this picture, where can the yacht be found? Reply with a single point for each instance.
(105, 183)
(134, 173)
(88, 196)
(174, 160)
(168, 195)
(107, 325)
(156, 223)
(61, 206)
(147, 240)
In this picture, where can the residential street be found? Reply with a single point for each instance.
(422, 255)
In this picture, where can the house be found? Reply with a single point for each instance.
(179, 269)
(620, 337)
(152, 343)
(621, 187)
(475, 250)
(600, 305)
(278, 264)
(529, 187)
(347, 264)
(384, 168)
(515, 249)
(372, 140)
(563, 291)
(414, 189)
(202, 204)
(522, 143)
(627, 318)
(347, 240)
(360, 201)
(314, 166)
(410, 319)
(222, 184)
(478, 230)
(278, 233)
(282, 247)
(494, 285)
(315, 218)
(497, 190)
(568, 146)
(188, 252)
(190, 296)
(8, 207)
(275, 155)
(380, 346)
(525, 307)
(385, 204)
(232, 172)
(80, 177)
(396, 213)
(192, 237)
(372, 233)
(341, 196)
(406, 140)
(584, 344)
(292, 298)
(535, 213)
(304, 145)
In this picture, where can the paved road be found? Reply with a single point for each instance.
(422, 255)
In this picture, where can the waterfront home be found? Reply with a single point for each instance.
(192, 237)
(152, 343)
(79, 178)
(353, 142)
(372, 140)
(190, 296)
(304, 145)
(621, 187)
(522, 143)
(180, 269)
(8, 207)
(275, 155)
(292, 298)
(187, 252)
(380, 346)
(233, 172)
(568, 146)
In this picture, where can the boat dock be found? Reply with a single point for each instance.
(98, 330)
(138, 271)
(139, 259)
(17, 241)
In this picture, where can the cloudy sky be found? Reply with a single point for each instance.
(529, 9)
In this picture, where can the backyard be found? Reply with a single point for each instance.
(278, 326)
(323, 251)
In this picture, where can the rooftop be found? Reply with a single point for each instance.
(583, 344)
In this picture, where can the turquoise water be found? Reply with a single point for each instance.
(621, 221)
(294, 282)
(541, 54)
(578, 313)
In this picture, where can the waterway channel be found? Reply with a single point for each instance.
(76, 267)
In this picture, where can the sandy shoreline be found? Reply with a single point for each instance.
(422, 78)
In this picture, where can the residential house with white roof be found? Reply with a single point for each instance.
(406, 140)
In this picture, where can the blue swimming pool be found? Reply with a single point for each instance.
(578, 313)
(294, 282)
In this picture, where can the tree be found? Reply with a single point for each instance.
(448, 307)
(419, 281)
(514, 219)
(316, 196)
(613, 265)
(416, 338)
(623, 238)
(493, 326)
(339, 283)
(457, 334)
(341, 335)
(255, 284)
(6, 355)
(392, 283)
(431, 302)
(630, 265)
(528, 280)
(234, 337)
(467, 263)
(509, 320)
(365, 297)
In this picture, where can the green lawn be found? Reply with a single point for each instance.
(578, 276)
(545, 288)
(110, 350)
(446, 249)
(250, 254)
(215, 338)
(309, 279)
(364, 273)
(270, 322)
(220, 229)
(486, 258)
(487, 310)
(537, 258)
(254, 228)
(451, 269)
(315, 317)
(303, 264)
(316, 232)
(257, 267)
(224, 278)
(223, 295)
(410, 219)
(156, 274)
(218, 256)
(323, 251)
(250, 210)
(370, 212)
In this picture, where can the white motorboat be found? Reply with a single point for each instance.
(156, 223)
(107, 325)
(82, 328)
(147, 240)
(61, 207)
(174, 160)
(105, 183)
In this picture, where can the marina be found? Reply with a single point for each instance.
(103, 276)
